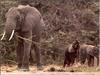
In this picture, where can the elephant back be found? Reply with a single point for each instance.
(92, 50)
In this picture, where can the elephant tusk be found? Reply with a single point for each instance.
(3, 35)
(11, 35)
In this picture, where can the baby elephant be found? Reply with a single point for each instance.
(88, 52)
(71, 53)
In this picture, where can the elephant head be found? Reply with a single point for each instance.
(13, 19)
(75, 45)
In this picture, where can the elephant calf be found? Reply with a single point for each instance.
(88, 52)
(27, 22)
(71, 53)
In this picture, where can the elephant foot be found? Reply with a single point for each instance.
(40, 67)
(22, 68)
(19, 66)
(68, 65)
(90, 65)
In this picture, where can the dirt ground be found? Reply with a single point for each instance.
(53, 68)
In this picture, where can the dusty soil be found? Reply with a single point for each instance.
(53, 68)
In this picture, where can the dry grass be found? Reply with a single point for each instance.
(54, 68)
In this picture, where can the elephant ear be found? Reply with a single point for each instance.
(76, 44)
(11, 11)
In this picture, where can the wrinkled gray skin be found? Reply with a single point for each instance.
(27, 23)
(88, 52)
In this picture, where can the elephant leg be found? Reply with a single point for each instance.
(82, 57)
(31, 57)
(27, 47)
(19, 52)
(71, 60)
(65, 61)
(68, 62)
(97, 60)
(36, 39)
(89, 58)
(83, 61)
(37, 53)
(92, 60)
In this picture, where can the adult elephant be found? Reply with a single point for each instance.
(71, 53)
(27, 22)
(88, 52)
